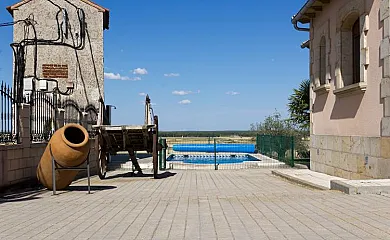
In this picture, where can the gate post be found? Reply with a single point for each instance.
(215, 155)
(292, 151)
(164, 154)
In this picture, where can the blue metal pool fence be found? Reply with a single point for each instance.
(278, 148)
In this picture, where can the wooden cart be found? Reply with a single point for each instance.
(130, 138)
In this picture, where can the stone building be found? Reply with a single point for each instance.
(67, 55)
(350, 86)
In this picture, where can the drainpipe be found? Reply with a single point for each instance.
(295, 23)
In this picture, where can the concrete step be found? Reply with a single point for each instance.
(372, 186)
(327, 182)
(307, 177)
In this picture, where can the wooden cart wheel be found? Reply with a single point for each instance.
(102, 160)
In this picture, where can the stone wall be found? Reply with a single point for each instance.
(352, 157)
(84, 66)
(384, 16)
(18, 162)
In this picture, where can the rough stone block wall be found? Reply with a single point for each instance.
(83, 67)
(352, 157)
(19, 163)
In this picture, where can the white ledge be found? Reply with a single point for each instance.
(322, 88)
(359, 87)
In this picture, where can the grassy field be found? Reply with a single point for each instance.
(206, 140)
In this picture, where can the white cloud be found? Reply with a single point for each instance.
(117, 76)
(185, 101)
(232, 93)
(181, 92)
(140, 71)
(172, 75)
(142, 94)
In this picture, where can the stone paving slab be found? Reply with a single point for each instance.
(307, 177)
(372, 186)
(228, 204)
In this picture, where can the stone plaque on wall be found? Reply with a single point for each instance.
(55, 70)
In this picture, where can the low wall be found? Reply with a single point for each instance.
(18, 162)
(351, 157)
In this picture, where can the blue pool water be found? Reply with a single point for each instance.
(234, 147)
(209, 159)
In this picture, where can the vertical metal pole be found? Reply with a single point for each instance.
(9, 116)
(292, 151)
(55, 103)
(2, 107)
(155, 142)
(160, 156)
(53, 167)
(164, 153)
(38, 110)
(89, 176)
(215, 155)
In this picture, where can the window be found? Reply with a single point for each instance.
(322, 72)
(356, 52)
(350, 51)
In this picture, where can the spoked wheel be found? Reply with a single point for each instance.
(102, 160)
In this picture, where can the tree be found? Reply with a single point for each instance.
(276, 126)
(273, 125)
(299, 105)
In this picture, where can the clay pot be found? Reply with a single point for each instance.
(70, 147)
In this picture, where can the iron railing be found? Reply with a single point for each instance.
(87, 117)
(43, 116)
(216, 153)
(9, 132)
(280, 148)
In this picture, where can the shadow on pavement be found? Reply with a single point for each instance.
(21, 196)
(142, 175)
(125, 156)
(93, 188)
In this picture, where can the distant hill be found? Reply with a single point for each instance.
(206, 133)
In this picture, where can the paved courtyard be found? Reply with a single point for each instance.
(225, 204)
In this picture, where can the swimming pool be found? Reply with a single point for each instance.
(211, 148)
(209, 159)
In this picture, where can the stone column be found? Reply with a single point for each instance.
(84, 119)
(60, 121)
(24, 126)
(3, 165)
(385, 57)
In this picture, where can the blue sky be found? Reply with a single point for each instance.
(207, 65)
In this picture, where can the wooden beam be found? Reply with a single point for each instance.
(324, 1)
(316, 8)
(310, 15)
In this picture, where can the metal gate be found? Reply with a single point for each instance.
(217, 153)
